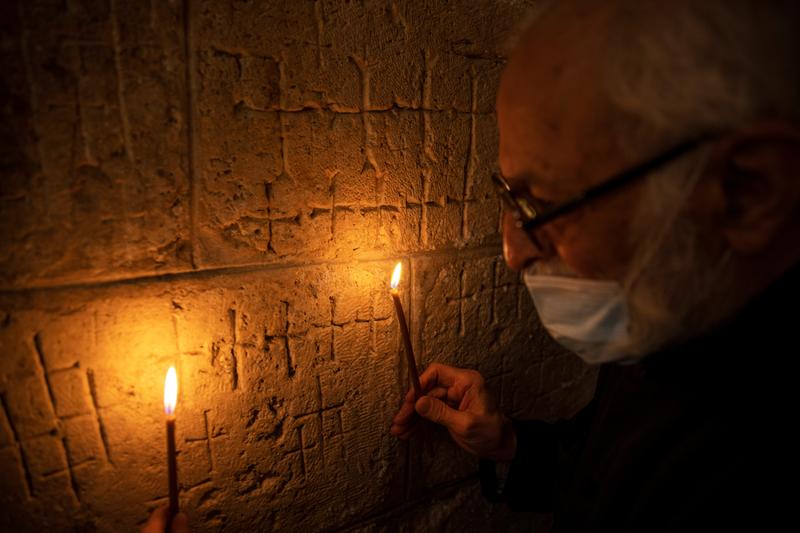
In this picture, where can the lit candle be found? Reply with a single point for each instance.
(170, 399)
(401, 318)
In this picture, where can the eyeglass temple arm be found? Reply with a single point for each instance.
(612, 184)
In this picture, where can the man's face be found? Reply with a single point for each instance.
(555, 141)
(689, 243)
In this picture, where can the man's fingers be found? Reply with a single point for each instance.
(410, 395)
(456, 380)
(439, 374)
(158, 521)
(407, 411)
(438, 412)
(440, 393)
(406, 430)
(404, 415)
(404, 423)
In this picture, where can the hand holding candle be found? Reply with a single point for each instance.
(170, 399)
(401, 318)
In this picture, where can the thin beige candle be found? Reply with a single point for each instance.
(170, 399)
(401, 318)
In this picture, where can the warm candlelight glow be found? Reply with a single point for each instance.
(396, 275)
(170, 391)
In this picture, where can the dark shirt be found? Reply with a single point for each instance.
(696, 437)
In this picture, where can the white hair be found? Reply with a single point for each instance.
(688, 67)
(675, 70)
(675, 287)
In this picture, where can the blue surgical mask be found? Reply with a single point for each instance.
(589, 317)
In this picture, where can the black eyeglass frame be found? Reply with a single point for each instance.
(529, 218)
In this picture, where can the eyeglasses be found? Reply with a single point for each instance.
(530, 213)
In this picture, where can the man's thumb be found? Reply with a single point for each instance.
(434, 410)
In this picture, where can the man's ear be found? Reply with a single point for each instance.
(759, 184)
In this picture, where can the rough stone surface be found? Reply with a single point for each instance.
(226, 186)
(94, 152)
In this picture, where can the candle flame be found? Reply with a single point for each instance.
(396, 275)
(170, 391)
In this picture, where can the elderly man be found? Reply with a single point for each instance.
(650, 165)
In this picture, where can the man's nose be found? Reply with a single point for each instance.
(519, 250)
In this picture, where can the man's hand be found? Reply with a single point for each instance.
(158, 522)
(458, 399)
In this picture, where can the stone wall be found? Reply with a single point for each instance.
(225, 186)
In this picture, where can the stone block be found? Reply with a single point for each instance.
(332, 423)
(193, 421)
(313, 348)
(320, 76)
(396, 145)
(356, 230)
(56, 488)
(83, 442)
(324, 160)
(29, 407)
(352, 340)
(505, 304)
(20, 358)
(350, 305)
(13, 487)
(131, 330)
(258, 85)
(400, 229)
(238, 153)
(448, 156)
(386, 336)
(97, 84)
(451, 78)
(486, 157)
(193, 464)
(483, 222)
(64, 340)
(487, 76)
(70, 392)
(196, 320)
(396, 70)
(44, 455)
(444, 224)
(86, 117)
(6, 430)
